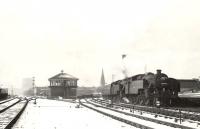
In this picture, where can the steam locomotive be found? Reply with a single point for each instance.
(144, 89)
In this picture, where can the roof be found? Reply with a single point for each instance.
(63, 76)
(187, 80)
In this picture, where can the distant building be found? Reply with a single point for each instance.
(85, 90)
(42, 91)
(63, 85)
(102, 82)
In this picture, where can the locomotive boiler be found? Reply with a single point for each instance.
(146, 89)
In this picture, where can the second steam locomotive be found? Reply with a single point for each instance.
(144, 89)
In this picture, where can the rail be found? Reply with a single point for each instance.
(3, 110)
(117, 118)
(167, 112)
(13, 121)
(107, 106)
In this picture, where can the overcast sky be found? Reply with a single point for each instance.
(42, 37)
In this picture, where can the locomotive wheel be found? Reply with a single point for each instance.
(147, 101)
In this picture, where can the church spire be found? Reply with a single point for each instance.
(102, 83)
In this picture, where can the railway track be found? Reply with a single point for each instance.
(184, 114)
(6, 105)
(156, 118)
(7, 100)
(136, 122)
(11, 111)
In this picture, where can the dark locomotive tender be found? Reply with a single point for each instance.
(146, 89)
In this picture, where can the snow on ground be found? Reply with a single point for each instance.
(134, 119)
(52, 114)
(1, 101)
(4, 105)
(188, 123)
(7, 116)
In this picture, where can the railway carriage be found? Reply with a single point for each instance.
(3, 93)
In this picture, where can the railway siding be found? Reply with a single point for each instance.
(118, 118)
(194, 116)
(6, 105)
(10, 114)
(7, 100)
(147, 117)
(137, 122)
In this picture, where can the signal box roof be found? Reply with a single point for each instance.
(63, 75)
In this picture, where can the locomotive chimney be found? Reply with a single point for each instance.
(158, 71)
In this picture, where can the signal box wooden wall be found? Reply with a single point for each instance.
(63, 85)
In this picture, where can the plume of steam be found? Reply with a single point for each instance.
(124, 70)
(123, 56)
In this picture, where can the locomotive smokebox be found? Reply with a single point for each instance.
(158, 71)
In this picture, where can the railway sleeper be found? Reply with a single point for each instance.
(153, 120)
(120, 119)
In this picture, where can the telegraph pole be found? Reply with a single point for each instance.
(12, 93)
(33, 84)
(34, 90)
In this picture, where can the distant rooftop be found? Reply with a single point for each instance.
(63, 75)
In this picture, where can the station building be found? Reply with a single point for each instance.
(63, 85)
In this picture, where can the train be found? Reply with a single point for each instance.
(3, 93)
(144, 89)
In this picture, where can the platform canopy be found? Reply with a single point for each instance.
(63, 75)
